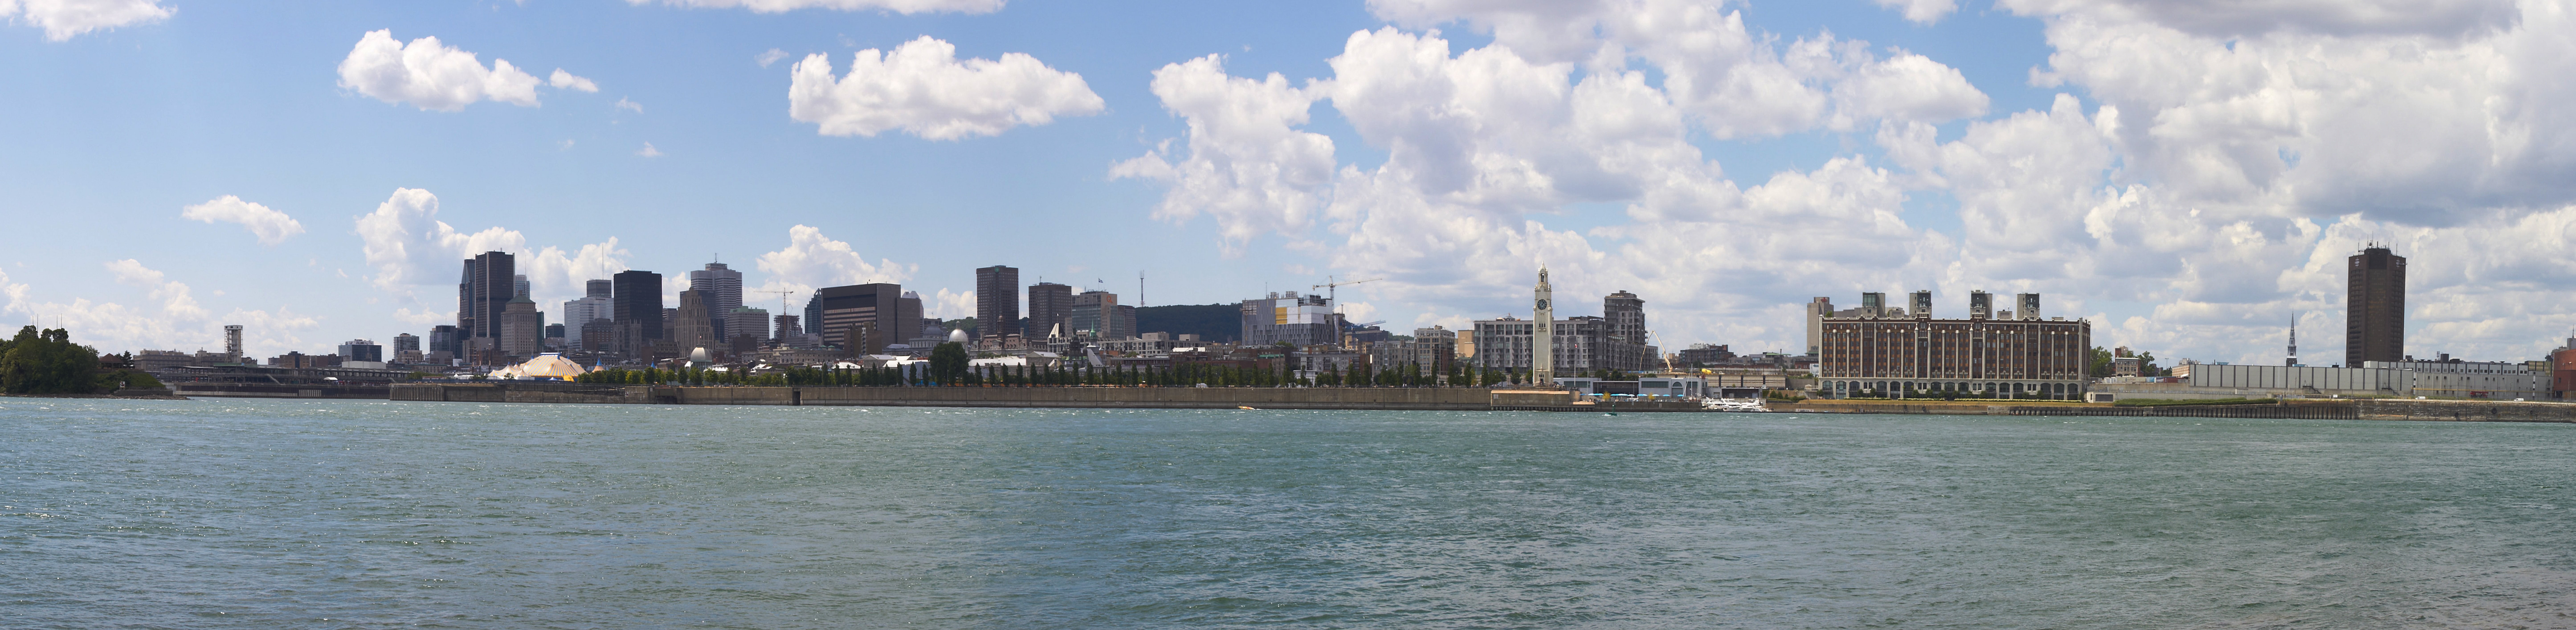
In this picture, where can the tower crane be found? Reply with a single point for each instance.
(1329, 287)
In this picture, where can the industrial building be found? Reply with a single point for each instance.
(1286, 317)
(2438, 378)
(1879, 351)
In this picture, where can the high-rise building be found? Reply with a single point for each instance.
(232, 343)
(723, 287)
(1050, 310)
(747, 323)
(997, 301)
(1627, 315)
(597, 302)
(446, 339)
(522, 329)
(1095, 314)
(1817, 310)
(407, 348)
(490, 280)
(908, 309)
(1125, 318)
(1297, 320)
(2375, 307)
(638, 298)
(361, 350)
(694, 329)
(876, 306)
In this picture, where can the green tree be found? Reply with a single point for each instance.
(948, 363)
(47, 362)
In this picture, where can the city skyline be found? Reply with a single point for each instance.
(300, 184)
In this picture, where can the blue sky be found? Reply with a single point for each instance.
(2189, 180)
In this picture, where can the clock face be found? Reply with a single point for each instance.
(1542, 303)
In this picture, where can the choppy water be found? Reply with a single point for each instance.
(260, 514)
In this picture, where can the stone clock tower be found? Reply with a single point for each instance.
(1543, 334)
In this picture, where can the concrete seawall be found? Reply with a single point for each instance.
(1420, 399)
(2347, 409)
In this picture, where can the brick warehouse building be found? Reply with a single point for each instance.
(1989, 354)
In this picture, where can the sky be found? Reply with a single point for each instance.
(2189, 175)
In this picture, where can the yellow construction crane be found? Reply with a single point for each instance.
(1329, 287)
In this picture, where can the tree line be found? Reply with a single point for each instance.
(47, 362)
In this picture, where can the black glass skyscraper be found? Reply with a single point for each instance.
(2375, 308)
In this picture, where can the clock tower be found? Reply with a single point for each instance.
(1543, 334)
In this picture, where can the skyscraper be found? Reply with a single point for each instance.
(490, 280)
(521, 329)
(1627, 315)
(1050, 307)
(723, 287)
(695, 329)
(595, 303)
(2375, 307)
(1095, 313)
(637, 301)
(997, 301)
(877, 306)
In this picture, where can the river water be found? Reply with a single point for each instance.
(359, 514)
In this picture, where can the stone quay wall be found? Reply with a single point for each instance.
(1387, 398)
(2298, 409)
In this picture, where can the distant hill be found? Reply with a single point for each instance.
(1212, 322)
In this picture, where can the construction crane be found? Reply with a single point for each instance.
(782, 300)
(1329, 287)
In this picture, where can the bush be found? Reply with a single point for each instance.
(47, 362)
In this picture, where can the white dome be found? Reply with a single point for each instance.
(699, 355)
(956, 336)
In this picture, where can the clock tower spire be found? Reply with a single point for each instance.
(1543, 334)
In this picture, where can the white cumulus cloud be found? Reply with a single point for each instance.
(906, 7)
(812, 260)
(63, 19)
(566, 81)
(1922, 11)
(922, 88)
(408, 246)
(434, 76)
(272, 227)
(1246, 163)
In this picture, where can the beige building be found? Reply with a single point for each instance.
(1884, 353)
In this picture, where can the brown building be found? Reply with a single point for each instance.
(1916, 355)
(2375, 307)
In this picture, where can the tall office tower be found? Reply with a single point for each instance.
(232, 343)
(2375, 308)
(1981, 305)
(1817, 310)
(490, 281)
(997, 301)
(447, 339)
(1542, 332)
(597, 303)
(1627, 316)
(747, 323)
(1922, 304)
(406, 348)
(522, 329)
(2029, 306)
(518, 285)
(907, 315)
(694, 329)
(723, 287)
(361, 350)
(876, 307)
(638, 298)
(1050, 310)
(1126, 320)
(1095, 313)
